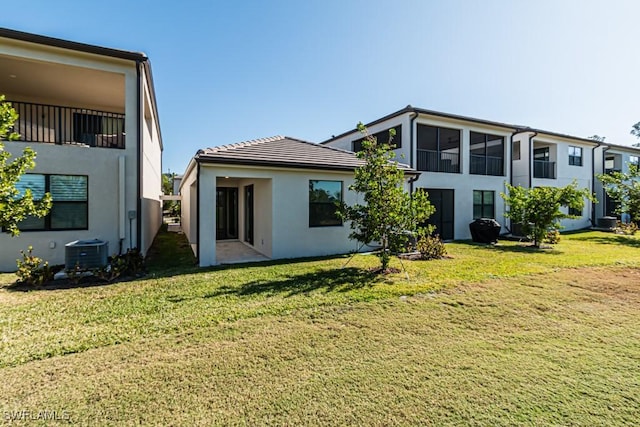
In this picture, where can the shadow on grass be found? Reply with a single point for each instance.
(519, 248)
(335, 280)
(609, 238)
(56, 285)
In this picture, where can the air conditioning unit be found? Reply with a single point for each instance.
(85, 254)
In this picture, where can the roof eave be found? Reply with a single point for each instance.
(71, 45)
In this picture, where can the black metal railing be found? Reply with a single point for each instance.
(544, 169)
(438, 161)
(486, 165)
(68, 125)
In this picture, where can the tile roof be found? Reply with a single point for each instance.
(283, 151)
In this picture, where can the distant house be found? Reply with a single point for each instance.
(465, 162)
(269, 198)
(90, 114)
(612, 158)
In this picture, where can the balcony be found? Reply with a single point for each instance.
(486, 165)
(68, 125)
(544, 169)
(438, 161)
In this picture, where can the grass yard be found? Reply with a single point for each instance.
(493, 336)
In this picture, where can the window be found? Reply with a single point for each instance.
(382, 138)
(70, 208)
(575, 212)
(324, 197)
(575, 156)
(438, 149)
(542, 166)
(487, 154)
(634, 160)
(483, 204)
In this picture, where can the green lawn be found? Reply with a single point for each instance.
(491, 336)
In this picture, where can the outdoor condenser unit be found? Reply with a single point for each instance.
(85, 254)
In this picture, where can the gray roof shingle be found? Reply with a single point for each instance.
(283, 151)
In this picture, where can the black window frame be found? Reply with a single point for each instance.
(483, 204)
(381, 137)
(47, 218)
(331, 221)
(634, 162)
(486, 168)
(575, 159)
(439, 161)
(575, 212)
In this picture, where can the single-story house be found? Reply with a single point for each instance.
(269, 198)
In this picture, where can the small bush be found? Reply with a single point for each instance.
(626, 228)
(431, 247)
(552, 237)
(130, 264)
(32, 270)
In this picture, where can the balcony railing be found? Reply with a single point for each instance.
(438, 161)
(486, 165)
(68, 125)
(544, 169)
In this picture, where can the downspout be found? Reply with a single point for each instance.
(605, 148)
(531, 157)
(139, 155)
(411, 181)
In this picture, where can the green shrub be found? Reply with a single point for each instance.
(130, 264)
(552, 237)
(431, 247)
(32, 270)
(626, 228)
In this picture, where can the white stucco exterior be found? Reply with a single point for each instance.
(102, 83)
(463, 183)
(281, 210)
(559, 172)
(610, 157)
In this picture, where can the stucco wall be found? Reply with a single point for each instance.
(621, 161)
(402, 153)
(101, 165)
(281, 212)
(188, 204)
(566, 173)
(113, 173)
(151, 173)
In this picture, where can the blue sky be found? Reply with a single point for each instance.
(230, 71)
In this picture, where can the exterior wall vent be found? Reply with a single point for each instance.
(86, 254)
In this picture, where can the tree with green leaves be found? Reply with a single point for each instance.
(14, 206)
(624, 188)
(538, 209)
(388, 213)
(635, 131)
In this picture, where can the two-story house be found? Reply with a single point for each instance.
(612, 158)
(465, 163)
(90, 114)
